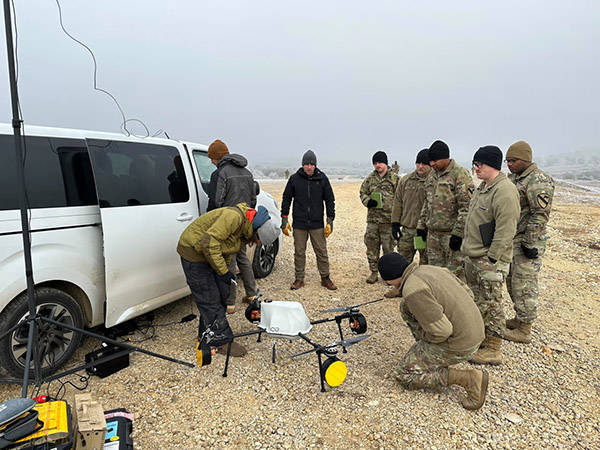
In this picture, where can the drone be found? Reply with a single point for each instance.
(287, 320)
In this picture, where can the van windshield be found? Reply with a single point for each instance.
(204, 167)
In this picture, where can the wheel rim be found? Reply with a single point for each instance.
(266, 259)
(53, 340)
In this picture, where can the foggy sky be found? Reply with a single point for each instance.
(344, 78)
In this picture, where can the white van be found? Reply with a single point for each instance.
(106, 212)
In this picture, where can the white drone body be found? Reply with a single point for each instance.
(283, 319)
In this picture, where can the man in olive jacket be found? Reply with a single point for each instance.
(489, 231)
(446, 324)
(206, 247)
(377, 194)
(449, 187)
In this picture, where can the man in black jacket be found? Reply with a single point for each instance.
(309, 188)
(232, 183)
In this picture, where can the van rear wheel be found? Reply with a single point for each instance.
(56, 344)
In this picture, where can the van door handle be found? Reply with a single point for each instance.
(184, 217)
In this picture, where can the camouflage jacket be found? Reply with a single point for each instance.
(447, 200)
(387, 186)
(495, 203)
(408, 200)
(536, 190)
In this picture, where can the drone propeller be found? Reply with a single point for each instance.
(344, 343)
(348, 308)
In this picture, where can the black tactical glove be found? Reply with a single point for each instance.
(396, 232)
(371, 203)
(226, 277)
(455, 242)
(423, 233)
(530, 253)
(492, 260)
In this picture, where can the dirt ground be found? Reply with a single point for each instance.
(544, 395)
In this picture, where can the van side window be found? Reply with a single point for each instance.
(132, 174)
(204, 167)
(58, 173)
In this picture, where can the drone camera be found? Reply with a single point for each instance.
(334, 371)
(253, 312)
(358, 323)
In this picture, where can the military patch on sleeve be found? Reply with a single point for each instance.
(470, 191)
(542, 200)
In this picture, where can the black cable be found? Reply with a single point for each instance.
(125, 120)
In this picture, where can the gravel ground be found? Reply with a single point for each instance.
(544, 395)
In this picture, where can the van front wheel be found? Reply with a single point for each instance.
(264, 259)
(56, 344)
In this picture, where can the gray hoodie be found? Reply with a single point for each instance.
(235, 183)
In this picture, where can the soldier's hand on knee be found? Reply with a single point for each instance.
(396, 230)
(455, 242)
(530, 253)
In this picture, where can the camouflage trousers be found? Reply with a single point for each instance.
(406, 246)
(439, 253)
(425, 366)
(485, 280)
(522, 282)
(378, 235)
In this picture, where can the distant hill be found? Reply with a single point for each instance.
(579, 165)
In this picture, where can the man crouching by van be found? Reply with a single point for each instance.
(206, 247)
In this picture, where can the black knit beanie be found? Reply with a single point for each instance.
(392, 266)
(438, 150)
(309, 158)
(423, 157)
(490, 155)
(380, 157)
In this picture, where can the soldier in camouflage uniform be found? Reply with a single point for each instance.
(449, 187)
(408, 201)
(536, 190)
(489, 231)
(377, 194)
(446, 324)
(395, 167)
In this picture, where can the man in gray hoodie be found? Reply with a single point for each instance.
(232, 183)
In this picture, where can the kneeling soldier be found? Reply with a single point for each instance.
(442, 316)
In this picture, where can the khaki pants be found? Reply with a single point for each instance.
(319, 245)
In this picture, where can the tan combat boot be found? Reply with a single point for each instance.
(373, 278)
(513, 323)
(393, 292)
(491, 353)
(475, 383)
(521, 333)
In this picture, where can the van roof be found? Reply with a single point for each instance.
(34, 130)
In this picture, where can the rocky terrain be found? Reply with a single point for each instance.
(545, 395)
